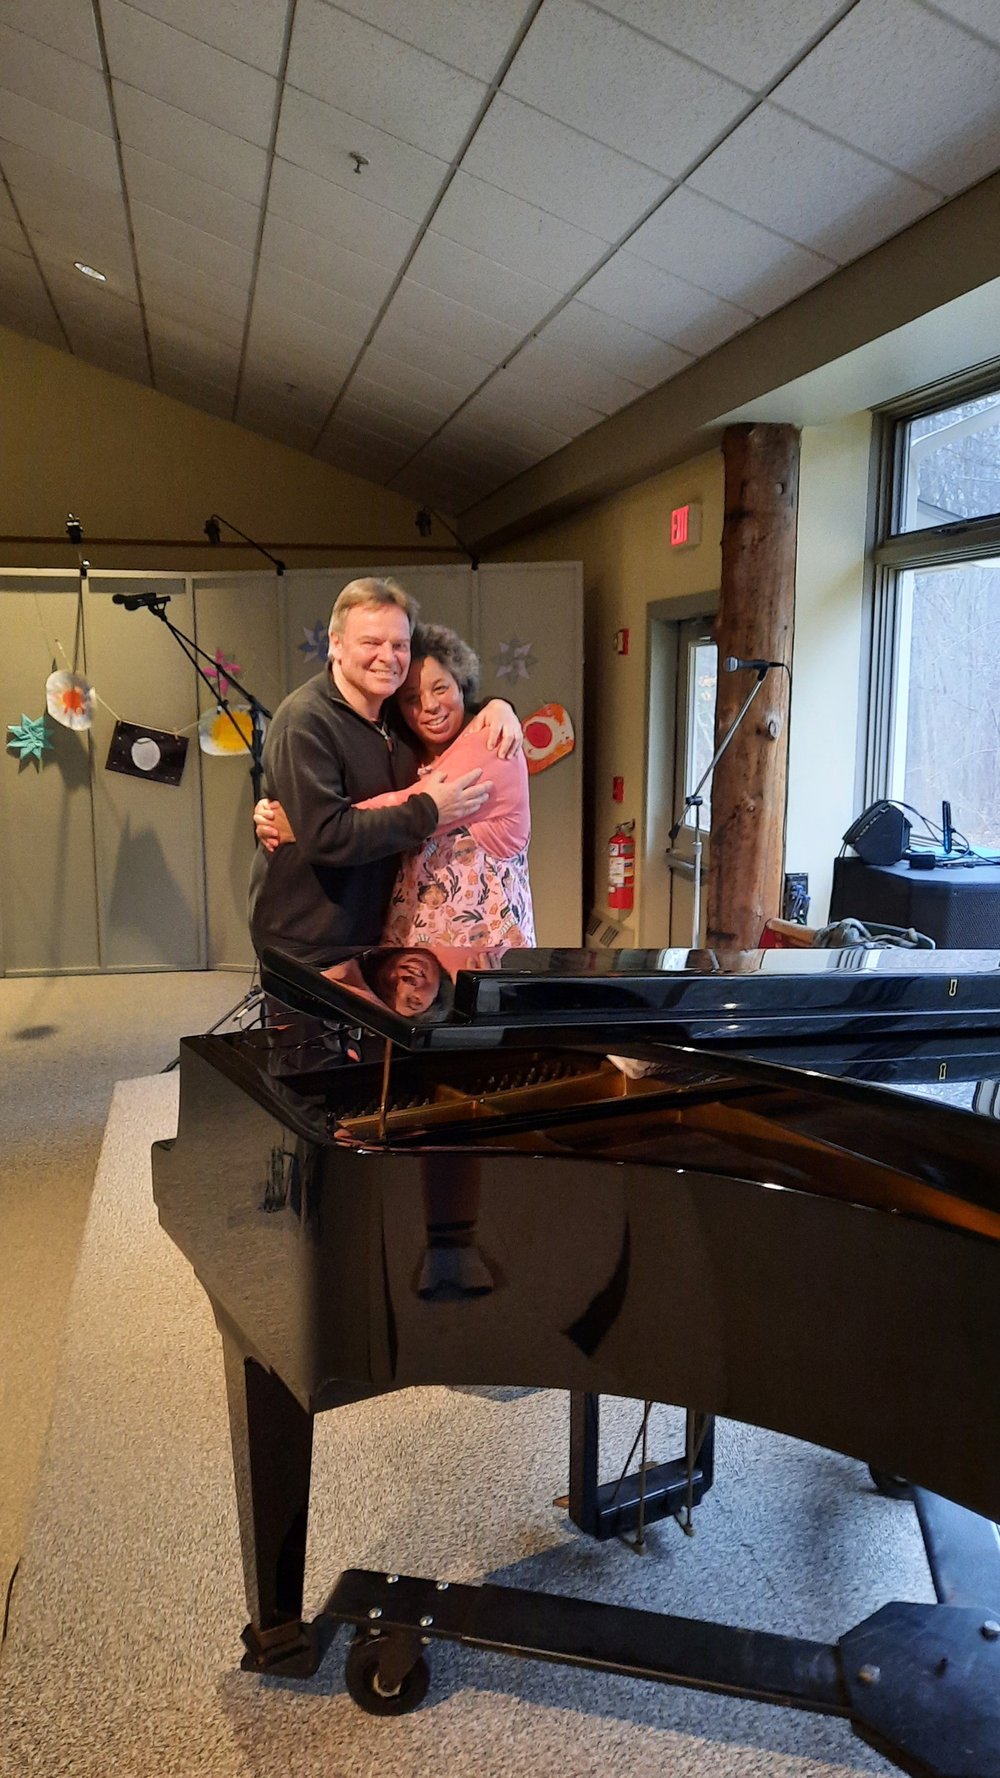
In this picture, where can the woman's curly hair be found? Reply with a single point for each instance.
(437, 643)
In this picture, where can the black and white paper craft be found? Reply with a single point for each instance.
(147, 753)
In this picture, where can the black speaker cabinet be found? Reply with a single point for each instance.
(957, 906)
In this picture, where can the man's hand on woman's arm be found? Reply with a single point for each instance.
(504, 733)
(456, 799)
(271, 825)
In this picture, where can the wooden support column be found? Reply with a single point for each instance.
(755, 621)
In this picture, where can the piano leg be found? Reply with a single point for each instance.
(661, 1491)
(272, 1455)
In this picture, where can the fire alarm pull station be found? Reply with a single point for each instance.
(621, 642)
(617, 790)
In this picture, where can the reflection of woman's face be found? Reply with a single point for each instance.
(431, 703)
(410, 982)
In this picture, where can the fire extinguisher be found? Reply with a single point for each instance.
(621, 867)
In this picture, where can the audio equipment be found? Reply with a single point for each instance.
(880, 835)
(958, 909)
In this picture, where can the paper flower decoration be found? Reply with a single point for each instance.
(218, 673)
(317, 642)
(219, 735)
(548, 736)
(514, 660)
(30, 737)
(69, 699)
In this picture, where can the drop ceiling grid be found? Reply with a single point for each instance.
(563, 243)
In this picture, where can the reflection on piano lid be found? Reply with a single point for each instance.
(425, 998)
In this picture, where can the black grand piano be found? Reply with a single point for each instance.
(764, 1185)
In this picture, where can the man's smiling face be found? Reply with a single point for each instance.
(371, 658)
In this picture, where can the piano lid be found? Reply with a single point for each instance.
(445, 998)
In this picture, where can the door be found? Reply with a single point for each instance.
(694, 745)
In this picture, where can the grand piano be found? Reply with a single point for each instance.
(764, 1185)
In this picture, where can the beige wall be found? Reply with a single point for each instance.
(130, 462)
(628, 565)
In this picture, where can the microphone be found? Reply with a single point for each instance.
(136, 601)
(733, 664)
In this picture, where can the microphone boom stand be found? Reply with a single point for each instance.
(156, 604)
(695, 800)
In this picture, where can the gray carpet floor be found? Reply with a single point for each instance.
(64, 1041)
(123, 1651)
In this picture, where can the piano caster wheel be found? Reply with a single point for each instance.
(361, 1674)
(894, 1487)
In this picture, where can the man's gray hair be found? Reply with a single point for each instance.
(372, 591)
(437, 643)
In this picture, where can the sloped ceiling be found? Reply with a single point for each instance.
(433, 241)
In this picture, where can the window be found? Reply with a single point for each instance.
(935, 732)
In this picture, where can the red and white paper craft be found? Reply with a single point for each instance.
(548, 736)
(69, 698)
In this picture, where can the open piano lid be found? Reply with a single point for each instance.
(448, 999)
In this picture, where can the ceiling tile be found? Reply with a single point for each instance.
(172, 193)
(204, 356)
(283, 362)
(324, 262)
(562, 373)
(465, 369)
(290, 340)
(108, 352)
(471, 34)
(445, 490)
(12, 234)
(499, 419)
(978, 15)
(839, 203)
(606, 340)
(901, 84)
(727, 254)
(287, 293)
(335, 214)
(180, 305)
(454, 323)
(318, 137)
(435, 392)
(190, 144)
(480, 283)
(18, 271)
(517, 234)
(100, 307)
(479, 441)
(750, 43)
(257, 31)
(174, 371)
(175, 68)
(381, 80)
(663, 305)
(190, 281)
(192, 246)
(176, 382)
(524, 392)
(24, 305)
(64, 237)
(548, 164)
(346, 433)
(67, 25)
(383, 398)
(41, 187)
(596, 74)
(384, 424)
(60, 140)
(273, 422)
(261, 389)
(56, 81)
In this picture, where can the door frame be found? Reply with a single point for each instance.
(664, 618)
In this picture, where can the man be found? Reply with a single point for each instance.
(329, 748)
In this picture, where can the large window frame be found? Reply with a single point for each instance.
(895, 551)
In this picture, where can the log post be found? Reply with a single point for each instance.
(755, 620)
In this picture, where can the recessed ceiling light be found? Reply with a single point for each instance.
(89, 271)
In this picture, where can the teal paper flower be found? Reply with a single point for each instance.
(30, 737)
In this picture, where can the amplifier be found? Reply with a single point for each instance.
(957, 906)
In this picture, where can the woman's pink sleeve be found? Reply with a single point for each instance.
(503, 825)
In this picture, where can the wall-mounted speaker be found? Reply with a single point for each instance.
(880, 835)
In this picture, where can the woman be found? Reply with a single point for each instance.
(469, 886)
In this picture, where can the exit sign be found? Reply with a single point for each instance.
(685, 525)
